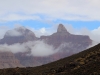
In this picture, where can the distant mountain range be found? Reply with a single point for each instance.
(63, 43)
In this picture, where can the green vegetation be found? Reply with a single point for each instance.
(84, 63)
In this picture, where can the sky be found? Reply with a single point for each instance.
(80, 17)
(45, 14)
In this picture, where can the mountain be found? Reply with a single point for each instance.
(28, 61)
(62, 36)
(67, 43)
(8, 60)
(86, 62)
(62, 41)
(18, 35)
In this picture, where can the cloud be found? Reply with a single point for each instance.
(18, 17)
(41, 48)
(3, 30)
(15, 48)
(37, 48)
(84, 10)
(43, 31)
(93, 34)
(96, 31)
(13, 33)
(7, 30)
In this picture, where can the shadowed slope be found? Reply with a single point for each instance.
(84, 63)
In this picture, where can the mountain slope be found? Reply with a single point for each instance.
(8, 60)
(64, 44)
(84, 63)
(63, 36)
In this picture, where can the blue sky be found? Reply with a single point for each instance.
(80, 17)
(42, 14)
(40, 24)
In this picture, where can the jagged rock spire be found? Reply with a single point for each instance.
(61, 28)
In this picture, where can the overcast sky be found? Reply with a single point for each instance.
(43, 15)
(80, 17)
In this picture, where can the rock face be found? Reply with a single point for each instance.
(84, 63)
(66, 44)
(62, 29)
(18, 35)
(28, 61)
(8, 60)
(63, 36)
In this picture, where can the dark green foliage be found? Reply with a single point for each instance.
(83, 63)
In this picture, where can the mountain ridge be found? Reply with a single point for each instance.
(86, 62)
(65, 43)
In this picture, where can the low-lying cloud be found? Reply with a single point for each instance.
(41, 48)
(13, 33)
(36, 48)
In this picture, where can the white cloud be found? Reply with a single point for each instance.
(6, 29)
(16, 17)
(43, 31)
(93, 34)
(15, 48)
(38, 48)
(13, 33)
(96, 31)
(84, 10)
(3, 30)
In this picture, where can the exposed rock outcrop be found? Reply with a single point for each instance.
(67, 43)
(8, 60)
(18, 35)
(63, 41)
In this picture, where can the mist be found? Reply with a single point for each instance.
(37, 48)
(93, 34)
(13, 33)
(41, 48)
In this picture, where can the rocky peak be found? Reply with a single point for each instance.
(24, 30)
(28, 34)
(20, 31)
(61, 28)
(18, 35)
